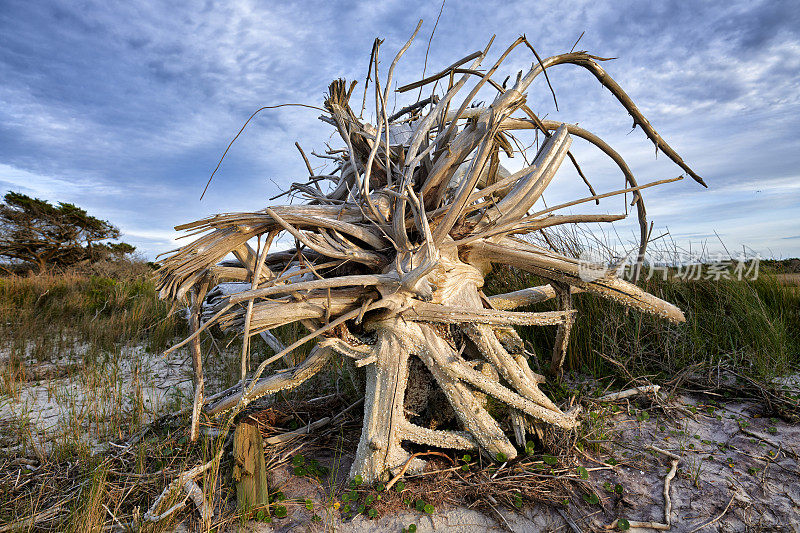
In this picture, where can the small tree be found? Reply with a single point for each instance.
(37, 232)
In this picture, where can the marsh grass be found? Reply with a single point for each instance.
(41, 313)
(737, 333)
(89, 511)
(89, 342)
(95, 492)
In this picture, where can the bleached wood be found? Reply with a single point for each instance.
(274, 383)
(621, 395)
(194, 311)
(523, 297)
(560, 269)
(389, 261)
(379, 449)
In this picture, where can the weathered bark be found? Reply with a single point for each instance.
(249, 471)
(194, 311)
(379, 449)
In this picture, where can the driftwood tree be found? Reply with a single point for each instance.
(391, 250)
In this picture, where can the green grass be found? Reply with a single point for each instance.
(750, 328)
(100, 310)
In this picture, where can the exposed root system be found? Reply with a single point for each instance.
(391, 250)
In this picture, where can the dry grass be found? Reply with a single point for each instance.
(95, 492)
(791, 280)
(39, 314)
(72, 342)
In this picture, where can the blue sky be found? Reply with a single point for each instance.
(125, 108)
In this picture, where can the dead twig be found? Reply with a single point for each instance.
(667, 524)
(719, 517)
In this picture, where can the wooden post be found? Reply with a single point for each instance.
(249, 472)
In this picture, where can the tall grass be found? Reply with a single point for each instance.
(98, 310)
(75, 338)
(745, 327)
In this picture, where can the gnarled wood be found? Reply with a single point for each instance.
(392, 250)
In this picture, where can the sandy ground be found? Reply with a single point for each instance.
(734, 462)
(70, 398)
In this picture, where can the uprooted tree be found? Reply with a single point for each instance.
(391, 250)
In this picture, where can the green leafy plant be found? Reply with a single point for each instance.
(311, 467)
(530, 447)
(518, 501)
(591, 498)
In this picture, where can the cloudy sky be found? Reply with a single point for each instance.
(125, 108)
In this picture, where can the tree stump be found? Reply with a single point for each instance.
(249, 471)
